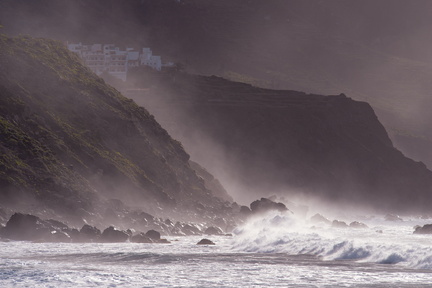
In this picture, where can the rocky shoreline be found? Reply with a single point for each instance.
(28, 227)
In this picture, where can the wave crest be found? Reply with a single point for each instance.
(284, 233)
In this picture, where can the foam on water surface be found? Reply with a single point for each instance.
(276, 250)
(382, 242)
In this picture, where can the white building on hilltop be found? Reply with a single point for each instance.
(108, 58)
(147, 59)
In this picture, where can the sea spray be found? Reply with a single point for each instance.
(277, 232)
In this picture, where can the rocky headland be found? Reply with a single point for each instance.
(274, 141)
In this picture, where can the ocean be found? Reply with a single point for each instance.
(275, 250)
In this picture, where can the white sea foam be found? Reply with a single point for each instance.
(382, 243)
(259, 255)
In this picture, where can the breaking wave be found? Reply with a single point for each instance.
(380, 243)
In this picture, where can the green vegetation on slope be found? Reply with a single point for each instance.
(67, 138)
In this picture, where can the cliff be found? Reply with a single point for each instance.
(359, 47)
(289, 143)
(69, 143)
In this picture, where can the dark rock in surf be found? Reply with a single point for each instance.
(141, 238)
(74, 234)
(357, 224)
(205, 242)
(339, 224)
(23, 227)
(28, 227)
(112, 235)
(213, 231)
(426, 229)
(153, 234)
(264, 205)
(89, 234)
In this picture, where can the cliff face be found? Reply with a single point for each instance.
(357, 47)
(69, 141)
(285, 142)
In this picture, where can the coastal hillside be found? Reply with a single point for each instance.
(374, 51)
(70, 143)
(263, 142)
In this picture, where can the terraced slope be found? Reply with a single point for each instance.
(263, 142)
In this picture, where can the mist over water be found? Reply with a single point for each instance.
(375, 52)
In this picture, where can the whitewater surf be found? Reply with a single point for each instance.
(272, 250)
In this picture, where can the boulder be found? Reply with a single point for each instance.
(356, 224)
(169, 223)
(425, 229)
(112, 235)
(392, 217)
(153, 234)
(147, 217)
(205, 242)
(74, 234)
(23, 227)
(213, 231)
(188, 229)
(318, 218)
(339, 224)
(89, 234)
(141, 238)
(31, 228)
(264, 205)
(245, 211)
